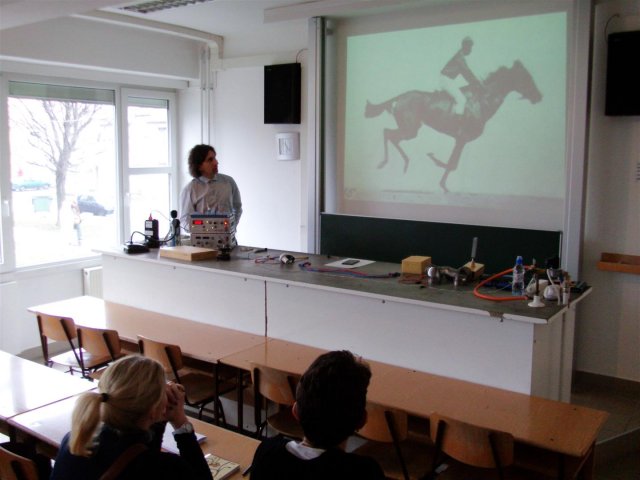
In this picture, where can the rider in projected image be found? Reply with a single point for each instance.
(209, 191)
(454, 69)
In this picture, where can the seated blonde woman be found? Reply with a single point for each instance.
(117, 430)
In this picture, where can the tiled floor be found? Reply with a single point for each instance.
(619, 440)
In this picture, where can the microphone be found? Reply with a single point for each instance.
(175, 228)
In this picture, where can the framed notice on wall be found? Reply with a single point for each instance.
(288, 146)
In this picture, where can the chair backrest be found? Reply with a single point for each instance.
(101, 342)
(275, 385)
(167, 354)
(470, 444)
(16, 467)
(383, 424)
(56, 328)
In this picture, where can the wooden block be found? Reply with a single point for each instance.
(415, 264)
(476, 268)
(189, 253)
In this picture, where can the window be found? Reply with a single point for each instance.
(149, 171)
(66, 180)
(62, 152)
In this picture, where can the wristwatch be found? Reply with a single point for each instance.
(186, 427)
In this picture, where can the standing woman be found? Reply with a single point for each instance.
(117, 430)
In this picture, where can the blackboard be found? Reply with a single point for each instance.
(450, 244)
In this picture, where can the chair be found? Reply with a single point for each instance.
(474, 452)
(97, 348)
(410, 457)
(200, 388)
(61, 329)
(16, 467)
(275, 388)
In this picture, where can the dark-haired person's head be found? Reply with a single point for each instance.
(197, 156)
(331, 398)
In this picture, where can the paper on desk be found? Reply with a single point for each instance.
(169, 442)
(340, 263)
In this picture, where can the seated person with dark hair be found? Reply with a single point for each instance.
(330, 406)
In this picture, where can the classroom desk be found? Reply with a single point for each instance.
(46, 426)
(197, 340)
(551, 426)
(25, 385)
(532, 420)
(200, 341)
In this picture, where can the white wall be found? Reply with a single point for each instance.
(189, 131)
(271, 190)
(102, 47)
(18, 328)
(608, 330)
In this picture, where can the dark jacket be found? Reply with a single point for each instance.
(151, 463)
(272, 461)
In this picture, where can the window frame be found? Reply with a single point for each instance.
(7, 247)
(127, 171)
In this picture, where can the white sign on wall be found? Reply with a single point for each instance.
(288, 146)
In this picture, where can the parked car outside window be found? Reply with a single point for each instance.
(89, 204)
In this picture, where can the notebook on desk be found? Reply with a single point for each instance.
(169, 442)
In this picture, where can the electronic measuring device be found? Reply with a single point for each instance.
(213, 230)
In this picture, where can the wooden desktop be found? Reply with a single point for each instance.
(25, 385)
(198, 340)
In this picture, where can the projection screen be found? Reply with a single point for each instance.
(450, 115)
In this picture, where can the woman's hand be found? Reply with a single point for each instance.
(174, 412)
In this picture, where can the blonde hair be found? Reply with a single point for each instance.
(128, 390)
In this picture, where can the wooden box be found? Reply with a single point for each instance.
(189, 253)
(415, 264)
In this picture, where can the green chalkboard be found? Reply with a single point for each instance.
(391, 240)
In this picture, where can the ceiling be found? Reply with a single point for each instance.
(240, 22)
(249, 27)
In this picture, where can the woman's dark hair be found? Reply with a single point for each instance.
(197, 155)
(331, 398)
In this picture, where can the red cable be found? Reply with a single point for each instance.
(497, 299)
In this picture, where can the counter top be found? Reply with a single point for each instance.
(311, 271)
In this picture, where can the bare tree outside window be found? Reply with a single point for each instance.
(54, 129)
(63, 175)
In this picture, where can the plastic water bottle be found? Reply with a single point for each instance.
(517, 284)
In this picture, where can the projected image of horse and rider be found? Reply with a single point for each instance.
(458, 114)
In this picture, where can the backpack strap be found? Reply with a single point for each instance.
(123, 461)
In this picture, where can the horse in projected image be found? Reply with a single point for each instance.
(435, 109)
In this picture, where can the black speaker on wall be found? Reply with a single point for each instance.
(282, 93)
(623, 74)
